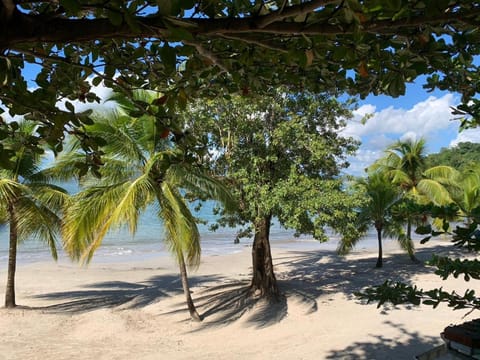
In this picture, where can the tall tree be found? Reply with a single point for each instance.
(381, 197)
(30, 205)
(466, 235)
(141, 167)
(467, 195)
(282, 156)
(404, 163)
(53, 51)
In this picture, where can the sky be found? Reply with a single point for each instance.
(416, 114)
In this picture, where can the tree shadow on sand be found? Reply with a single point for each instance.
(309, 277)
(114, 294)
(382, 347)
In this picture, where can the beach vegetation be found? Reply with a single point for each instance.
(459, 221)
(404, 163)
(377, 211)
(55, 53)
(282, 156)
(29, 203)
(141, 167)
(459, 157)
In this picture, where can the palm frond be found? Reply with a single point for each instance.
(65, 168)
(135, 197)
(52, 196)
(346, 244)
(194, 180)
(36, 220)
(445, 175)
(96, 210)
(406, 244)
(180, 227)
(434, 191)
(11, 190)
(86, 214)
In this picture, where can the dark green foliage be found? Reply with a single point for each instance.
(459, 157)
(398, 293)
(196, 49)
(282, 156)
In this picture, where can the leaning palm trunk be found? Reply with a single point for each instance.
(186, 289)
(380, 249)
(410, 249)
(12, 259)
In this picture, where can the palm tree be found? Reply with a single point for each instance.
(381, 196)
(404, 163)
(467, 198)
(141, 167)
(30, 205)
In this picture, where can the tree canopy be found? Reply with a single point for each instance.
(282, 157)
(52, 52)
(459, 157)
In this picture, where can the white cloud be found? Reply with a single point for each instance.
(470, 135)
(428, 116)
(430, 119)
(362, 160)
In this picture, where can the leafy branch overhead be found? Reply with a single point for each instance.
(54, 51)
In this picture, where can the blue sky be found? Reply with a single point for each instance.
(416, 114)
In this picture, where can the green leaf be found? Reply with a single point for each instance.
(72, 6)
(169, 58)
(97, 80)
(115, 17)
(70, 106)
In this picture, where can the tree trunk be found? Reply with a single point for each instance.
(186, 289)
(264, 282)
(12, 259)
(380, 249)
(409, 237)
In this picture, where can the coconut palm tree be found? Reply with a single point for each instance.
(141, 167)
(30, 205)
(467, 198)
(404, 164)
(381, 196)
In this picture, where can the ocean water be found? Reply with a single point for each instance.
(148, 242)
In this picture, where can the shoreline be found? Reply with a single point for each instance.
(131, 250)
(136, 309)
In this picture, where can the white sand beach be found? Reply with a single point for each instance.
(136, 310)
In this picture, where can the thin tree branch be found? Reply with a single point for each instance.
(291, 11)
(207, 55)
(254, 42)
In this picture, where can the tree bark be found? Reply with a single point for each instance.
(380, 249)
(186, 289)
(411, 253)
(12, 259)
(264, 282)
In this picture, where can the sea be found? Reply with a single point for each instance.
(148, 242)
(120, 245)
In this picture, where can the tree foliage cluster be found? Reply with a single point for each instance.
(461, 206)
(53, 52)
(459, 157)
(282, 156)
(400, 192)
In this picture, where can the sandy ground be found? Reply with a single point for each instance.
(136, 310)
